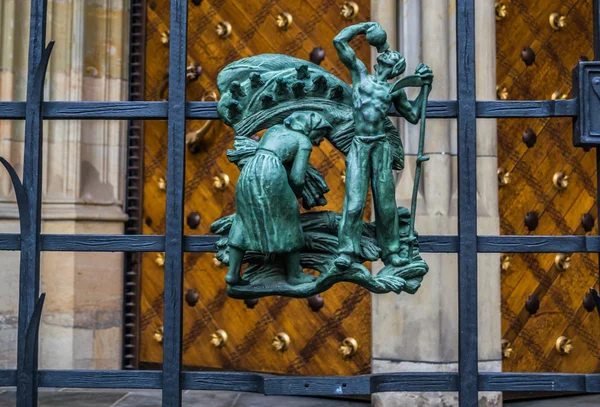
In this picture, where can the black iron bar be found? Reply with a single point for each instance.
(173, 318)
(467, 205)
(29, 280)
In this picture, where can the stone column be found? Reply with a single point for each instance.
(419, 333)
(83, 177)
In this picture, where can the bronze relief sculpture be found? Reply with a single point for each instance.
(268, 242)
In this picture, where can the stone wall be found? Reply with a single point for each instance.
(83, 177)
(420, 333)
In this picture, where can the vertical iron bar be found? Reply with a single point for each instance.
(29, 280)
(596, 31)
(175, 195)
(467, 205)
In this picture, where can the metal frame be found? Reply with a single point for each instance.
(172, 380)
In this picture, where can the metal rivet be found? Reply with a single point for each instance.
(196, 2)
(218, 338)
(584, 58)
(316, 302)
(221, 181)
(161, 183)
(284, 20)
(148, 221)
(564, 345)
(158, 334)
(562, 261)
(589, 303)
(192, 297)
(349, 10)
(217, 263)
(528, 56)
(557, 21)
(531, 221)
(532, 304)
(529, 137)
(153, 5)
(281, 342)
(507, 349)
(349, 347)
(160, 260)
(223, 29)
(558, 95)
(193, 71)
(193, 220)
(502, 92)
(251, 302)
(560, 180)
(503, 177)
(501, 10)
(317, 55)
(505, 262)
(164, 37)
(587, 222)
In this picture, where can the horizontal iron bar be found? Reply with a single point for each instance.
(441, 109)
(101, 379)
(206, 243)
(317, 386)
(8, 377)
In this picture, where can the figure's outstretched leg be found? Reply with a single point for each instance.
(236, 257)
(294, 272)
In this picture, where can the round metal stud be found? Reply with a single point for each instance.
(531, 221)
(223, 29)
(502, 92)
(219, 338)
(164, 37)
(221, 181)
(557, 22)
(158, 334)
(160, 260)
(564, 345)
(528, 56)
(560, 180)
(532, 305)
(192, 297)
(281, 342)
(587, 222)
(193, 71)
(505, 262)
(251, 302)
(349, 347)
(316, 302)
(501, 10)
(507, 349)
(503, 177)
(196, 2)
(349, 10)
(317, 55)
(562, 261)
(529, 137)
(284, 20)
(193, 220)
(589, 303)
(161, 183)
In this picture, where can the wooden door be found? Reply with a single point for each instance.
(315, 335)
(543, 301)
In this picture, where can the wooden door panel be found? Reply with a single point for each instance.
(315, 336)
(560, 292)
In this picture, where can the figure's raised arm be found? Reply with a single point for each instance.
(345, 51)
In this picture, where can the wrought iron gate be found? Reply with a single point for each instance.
(172, 380)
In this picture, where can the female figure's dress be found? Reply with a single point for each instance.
(268, 214)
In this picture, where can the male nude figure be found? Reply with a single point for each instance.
(370, 156)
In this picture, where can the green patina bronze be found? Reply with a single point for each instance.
(300, 104)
